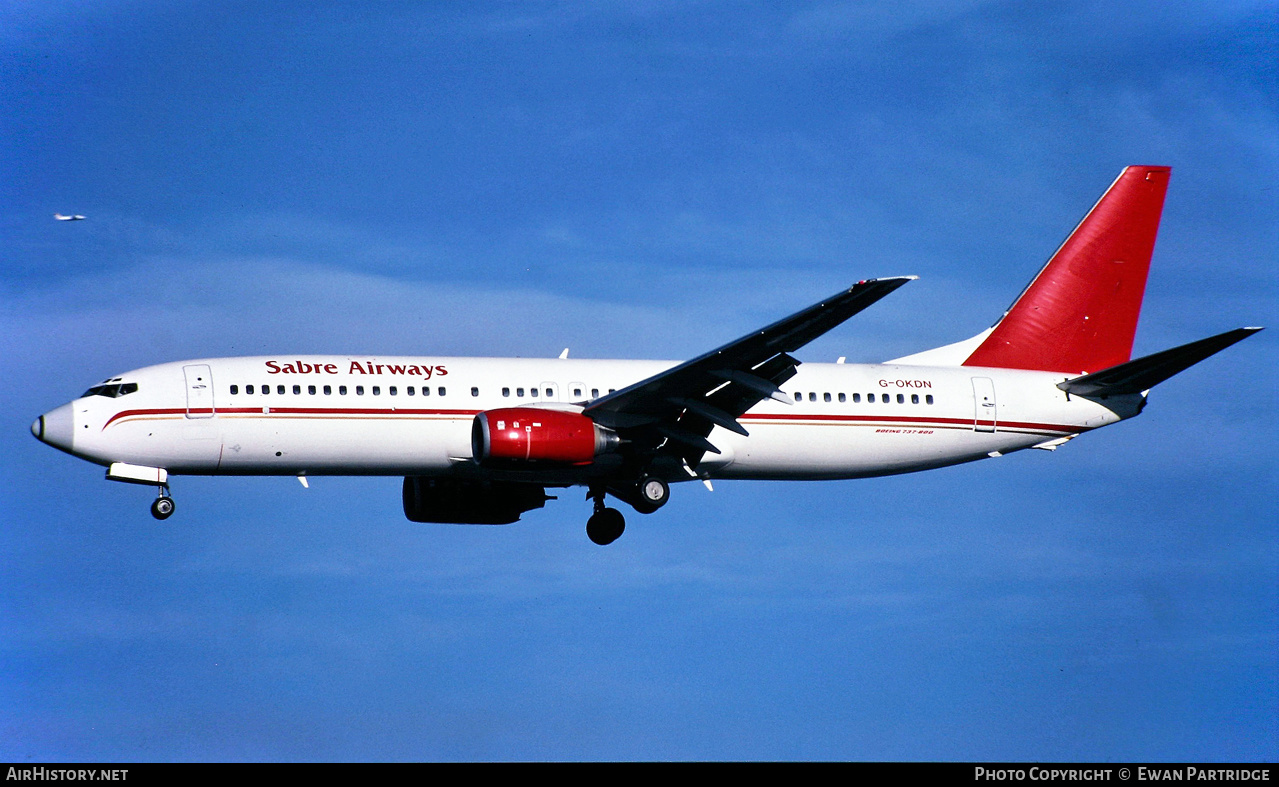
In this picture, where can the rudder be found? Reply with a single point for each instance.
(1080, 312)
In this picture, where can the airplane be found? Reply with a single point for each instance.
(481, 440)
(73, 217)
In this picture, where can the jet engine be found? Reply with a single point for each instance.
(529, 434)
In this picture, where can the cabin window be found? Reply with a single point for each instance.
(328, 390)
(825, 397)
(928, 398)
(884, 398)
(377, 390)
(341, 390)
(279, 389)
(506, 392)
(914, 398)
(409, 390)
(297, 389)
(595, 393)
(577, 393)
(532, 392)
(266, 389)
(440, 390)
(310, 389)
(519, 392)
(799, 397)
(857, 398)
(901, 398)
(235, 389)
(392, 390)
(248, 389)
(475, 391)
(843, 398)
(359, 390)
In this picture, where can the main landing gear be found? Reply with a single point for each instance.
(651, 494)
(163, 506)
(607, 524)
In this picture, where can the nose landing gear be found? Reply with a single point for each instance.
(163, 506)
(158, 477)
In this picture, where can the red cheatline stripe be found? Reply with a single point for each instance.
(345, 411)
(757, 418)
(131, 413)
(288, 411)
(911, 419)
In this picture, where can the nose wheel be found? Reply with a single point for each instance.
(163, 506)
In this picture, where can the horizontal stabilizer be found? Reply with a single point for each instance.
(1145, 373)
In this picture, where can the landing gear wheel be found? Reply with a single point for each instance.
(162, 508)
(605, 526)
(649, 495)
(654, 492)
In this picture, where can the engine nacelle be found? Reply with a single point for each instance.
(531, 434)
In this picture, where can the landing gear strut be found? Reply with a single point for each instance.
(606, 525)
(163, 506)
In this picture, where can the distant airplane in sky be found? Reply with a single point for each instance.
(73, 217)
(480, 440)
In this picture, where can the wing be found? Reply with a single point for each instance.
(673, 412)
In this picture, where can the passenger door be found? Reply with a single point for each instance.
(986, 413)
(199, 380)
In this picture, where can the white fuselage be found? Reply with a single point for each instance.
(340, 415)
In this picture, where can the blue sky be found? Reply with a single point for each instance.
(634, 180)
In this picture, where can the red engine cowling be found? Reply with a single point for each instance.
(530, 434)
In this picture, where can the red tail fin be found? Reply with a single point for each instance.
(1080, 313)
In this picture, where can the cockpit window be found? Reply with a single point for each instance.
(112, 390)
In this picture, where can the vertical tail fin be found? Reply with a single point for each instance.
(1080, 313)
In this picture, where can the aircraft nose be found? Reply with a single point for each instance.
(55, 427)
